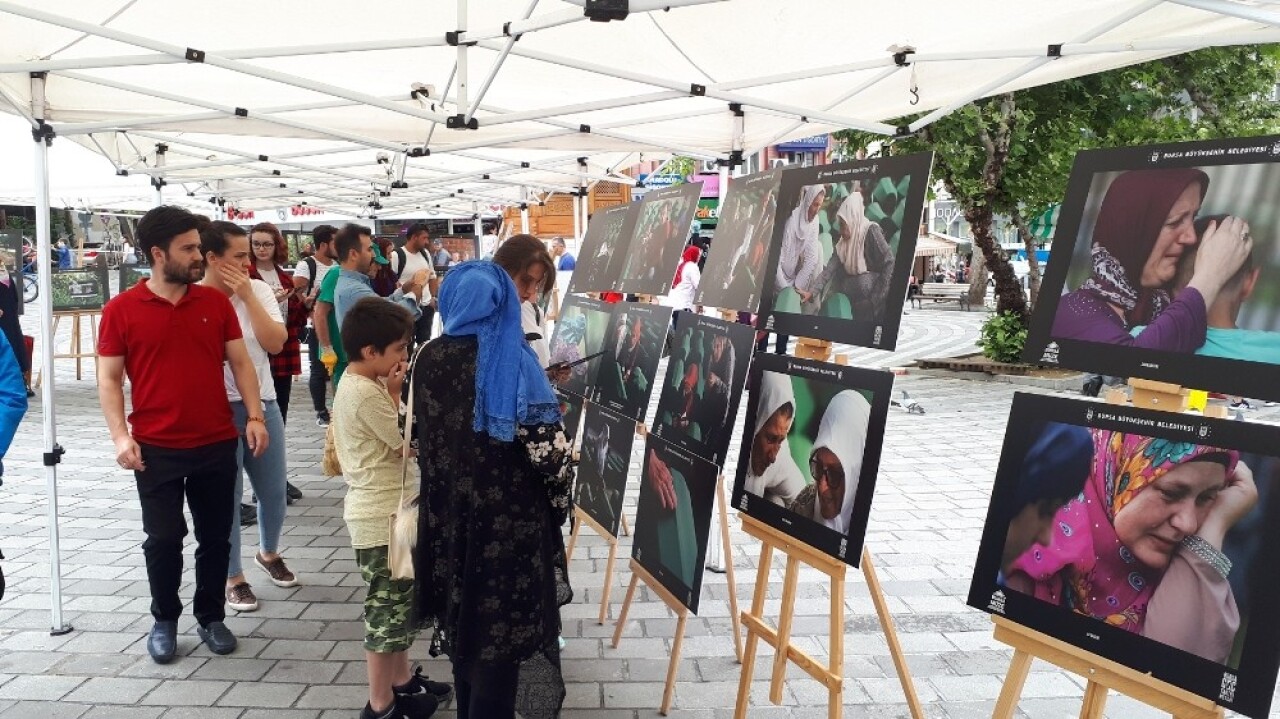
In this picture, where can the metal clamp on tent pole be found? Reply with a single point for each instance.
(44, 132)
(1055, 50)
(54, 458)
(460, 122)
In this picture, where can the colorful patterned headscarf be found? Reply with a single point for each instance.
(1086, 568)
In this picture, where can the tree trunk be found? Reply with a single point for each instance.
(1009, 296)
(977, 279)
(1033, 262)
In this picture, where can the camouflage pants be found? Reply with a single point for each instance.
(389, 624)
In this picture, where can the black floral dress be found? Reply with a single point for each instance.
(490, 562)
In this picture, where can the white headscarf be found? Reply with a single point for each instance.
(843, 430)
(775, 391)
(800, 246)
(781, 481)
(853, 253)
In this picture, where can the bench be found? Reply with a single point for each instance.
(942, 292)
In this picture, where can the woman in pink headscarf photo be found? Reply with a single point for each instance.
(1141, 547)
(1145, 224)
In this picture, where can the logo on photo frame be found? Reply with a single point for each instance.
(1204, 431)
(997, 602)
(1050, 355)
(1275, 149)
(875, 340)
(1155, 157)
(1227, 691)
(1088, 415)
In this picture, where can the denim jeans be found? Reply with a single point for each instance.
(267, 475)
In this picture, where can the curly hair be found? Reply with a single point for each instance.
(281, 257)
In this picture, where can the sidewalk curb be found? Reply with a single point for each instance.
(1066, 384)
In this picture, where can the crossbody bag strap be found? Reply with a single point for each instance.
(408, 425)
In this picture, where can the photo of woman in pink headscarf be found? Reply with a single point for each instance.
(1141, 548)
(1144, 226)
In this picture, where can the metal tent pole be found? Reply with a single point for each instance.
(43, 136)
(524, 210)
(157, 181)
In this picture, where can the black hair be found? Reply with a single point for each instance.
(160, 225)
(520, 252)
(323, 233)
(417, 227)
(375, 322)
(1055, 467)
(214, 236)
(348, 239)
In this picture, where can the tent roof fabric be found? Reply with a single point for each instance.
(312, 112)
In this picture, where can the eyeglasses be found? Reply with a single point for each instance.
(263, 245)
(834, 473)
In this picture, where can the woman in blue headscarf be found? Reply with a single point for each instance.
(496, 476)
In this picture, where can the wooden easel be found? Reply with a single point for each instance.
(584, 518)
(1103, 675)
(831, 675)
(76, 351)
(640, 574)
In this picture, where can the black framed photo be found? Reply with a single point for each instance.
(1149, 538)
(843, 244)
(706, 372)
(602, 468)
(604, 248)
(629, 367)
(734, 274)
(673, 518)
(579, 334)
(661, 230)
(80, 290)
(571, 407)
(1150, 274)
(811, 450)
(131, 275)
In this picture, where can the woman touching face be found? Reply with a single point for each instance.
(1176, 235)
(1176, 504)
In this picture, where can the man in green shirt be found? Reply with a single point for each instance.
(328, 330)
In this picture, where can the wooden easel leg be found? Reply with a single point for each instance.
(1007, 702)
(789, 584)
(626, 529)
(573, 539)
(753, 640)
(75, 345)
(608, 581)
(93, 337)
(891, 636)
(1095, 700)
(732, 588)
(669, 693)
(626, 607)
(835, 660)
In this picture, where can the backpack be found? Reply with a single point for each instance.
(311, 278)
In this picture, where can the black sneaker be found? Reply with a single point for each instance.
(219, 639)
(162, 643)
(322, 420)
(420, 684)
(248, 515)
(291, 492)
(414, 707)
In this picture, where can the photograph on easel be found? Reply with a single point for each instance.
(673, 518)
(661, 231)
(604, 248)
(842, 249)
(706, 371)
(578, 340)
(1166, 266)
(1148, 538)
(132, 275)
(629, 368)
(602, 468)
(79, 290)
(735, 266)
(811, 450)
(571, 414)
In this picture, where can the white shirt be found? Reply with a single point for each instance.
(273, 281)
(414, 261)
(303, 270)
(681, 296)
(261, 363)
(530, 325)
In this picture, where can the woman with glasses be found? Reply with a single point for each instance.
(835, 464)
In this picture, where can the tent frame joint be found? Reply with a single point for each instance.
(697, 90)
(1055, 50)
(43, 132)
(194, 55)
(54, 458)
(903, 57)
(461, 122)
(736, 109)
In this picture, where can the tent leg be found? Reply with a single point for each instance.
(52, 452)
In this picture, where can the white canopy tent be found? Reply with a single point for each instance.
(494, 102)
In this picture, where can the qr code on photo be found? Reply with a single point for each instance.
(1228, 691)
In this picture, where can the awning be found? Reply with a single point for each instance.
(935, 245)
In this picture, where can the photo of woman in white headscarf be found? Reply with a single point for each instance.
(860, 266)
(835, 463)
(772, 473)
(801, 260)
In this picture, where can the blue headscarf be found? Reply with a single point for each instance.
(478, 298)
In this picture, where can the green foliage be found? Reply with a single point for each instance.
(1003, 336)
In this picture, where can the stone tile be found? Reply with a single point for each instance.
(112, 690)
(38, 687)
(261, 694)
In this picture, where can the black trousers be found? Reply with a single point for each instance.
(207, 477)
(284, 387)
(318, 381)
(486, 692)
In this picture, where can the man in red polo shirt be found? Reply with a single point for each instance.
(172, 336)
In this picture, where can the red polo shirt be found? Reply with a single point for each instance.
(173, 355)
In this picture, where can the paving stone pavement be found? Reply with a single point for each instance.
(300, 655)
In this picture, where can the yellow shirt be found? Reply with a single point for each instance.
(367, 435)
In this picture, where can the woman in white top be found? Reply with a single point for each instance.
(801, 259)
(685, 284)
(226, 251)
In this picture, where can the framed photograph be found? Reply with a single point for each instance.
(1145, 236)
(79, 290)
(604, 249)
(571, 407)
(578, 335)
(1149, 538)
(811, 450)
(706, 371)
(734, 274)
(629, 367)
(602, 469)
(131, 275)
(661, 231)
(843, 245)
(673, 518)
